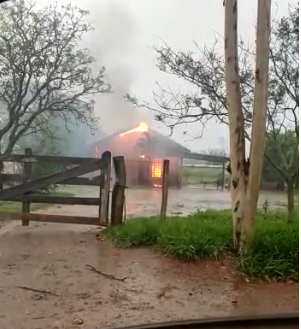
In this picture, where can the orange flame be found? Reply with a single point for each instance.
(156, 168)
(141, 128)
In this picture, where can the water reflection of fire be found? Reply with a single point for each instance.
(157, 185)
(141, 128)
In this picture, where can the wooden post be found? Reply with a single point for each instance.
(223, 176)
(165, 181)
(1, 172)
(181, 173)
(1, 175)
(27, 173)
(118, 194)
(105, 178)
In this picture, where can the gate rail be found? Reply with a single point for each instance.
(28, 185)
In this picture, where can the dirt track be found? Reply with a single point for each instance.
(53, 257)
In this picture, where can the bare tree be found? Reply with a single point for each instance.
(205, 71)
(217, 152)
(220, 152)
(44, 73)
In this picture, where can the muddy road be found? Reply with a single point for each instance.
(46, 283)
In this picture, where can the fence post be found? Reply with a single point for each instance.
(223, 176)
(118, 195)
(165, 183)
(105, 178)
(1, 175)
(27, 175)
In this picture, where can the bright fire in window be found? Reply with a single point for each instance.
(156, 168)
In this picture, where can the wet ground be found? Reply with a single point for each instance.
(63, 276)
(146, 202)
(46, 283)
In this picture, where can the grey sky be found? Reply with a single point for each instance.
(123, 39)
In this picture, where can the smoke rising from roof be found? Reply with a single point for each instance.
(111, 44)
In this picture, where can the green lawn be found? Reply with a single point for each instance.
(10, 206)
(196, 175)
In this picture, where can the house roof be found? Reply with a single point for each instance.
(163, 142)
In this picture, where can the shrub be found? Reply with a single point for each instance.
(274, 253)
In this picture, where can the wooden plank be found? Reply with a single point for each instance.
(223, 177)
(206, 157)
(45, 218)
(105, 189)
(14, 178)
(1, 178)
(46, 159)
(84, 181)
(165, 180)
(69, 200)
(118, 196)
(50, 180)
(27, 173)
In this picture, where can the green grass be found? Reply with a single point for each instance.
(197, 175)
(273, 255)
(10, 206)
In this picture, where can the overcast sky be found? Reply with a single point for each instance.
(125, 32)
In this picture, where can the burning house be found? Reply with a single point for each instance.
(144, 151)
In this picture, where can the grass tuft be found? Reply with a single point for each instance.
(274, 253)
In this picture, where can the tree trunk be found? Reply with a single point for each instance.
(259, 117)
(290, 201)
(236, 120)
(246, 175)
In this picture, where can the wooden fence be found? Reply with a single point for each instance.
(28, 184)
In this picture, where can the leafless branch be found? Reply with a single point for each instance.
(203, 71)
(43, 71)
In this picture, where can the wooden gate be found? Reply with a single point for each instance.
(25, 191)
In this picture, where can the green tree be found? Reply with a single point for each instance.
(282, 147)
(44, 73)
(270, 174)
